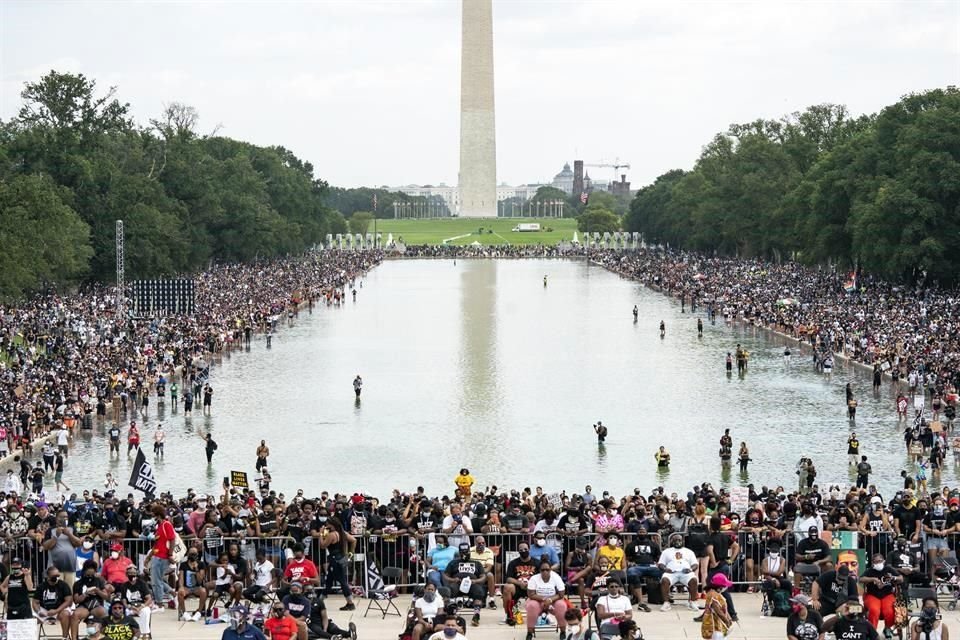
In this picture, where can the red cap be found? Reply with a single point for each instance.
(954, 500)
(116, 546)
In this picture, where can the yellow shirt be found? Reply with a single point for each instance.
(615, 555)
(485, 558)
(464, 482)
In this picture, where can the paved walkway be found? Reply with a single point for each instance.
(677, 623)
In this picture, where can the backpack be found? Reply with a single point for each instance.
(780, 603)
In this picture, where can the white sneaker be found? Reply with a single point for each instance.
(186, 617)
(665, 606)
(692, 605)
(197, 617)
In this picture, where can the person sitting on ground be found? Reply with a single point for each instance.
(280, 625)
(576, 629)
(298, 605)
(52, 601)
(679, 567)
(321, 626)
(450, 631)
(850, 622)
(804, 623)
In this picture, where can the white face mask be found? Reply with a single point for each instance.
(541, 542)
(87, 545)
(878, 566)
(573, 629)
(114, 555)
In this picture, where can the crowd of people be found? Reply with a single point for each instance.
(67, 358)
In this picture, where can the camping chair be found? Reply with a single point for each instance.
(917, 594)
(382, 599)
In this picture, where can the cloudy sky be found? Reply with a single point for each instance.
(369, 91)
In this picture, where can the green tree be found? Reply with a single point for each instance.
(44, 241)
(360, 222)
(598, 219)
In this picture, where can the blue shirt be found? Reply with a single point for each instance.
(547, 551)
(249, 632)
(442, 557)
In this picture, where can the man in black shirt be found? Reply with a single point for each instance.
(571, 525)
(138, 599)
(905, 519)
(851, 625)
(804, 623)
(17, 587)
(812, 550)
(465, 578)
(906, 562)
(830, 591)
(642, 553)
(323, 627)
(53, 598)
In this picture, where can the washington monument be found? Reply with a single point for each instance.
(478, 145)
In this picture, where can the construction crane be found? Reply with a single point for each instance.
(616, 165)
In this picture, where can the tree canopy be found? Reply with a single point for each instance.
(73, 162)
(881, 192)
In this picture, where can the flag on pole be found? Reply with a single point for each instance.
(142, 476)
(374, 580)
(584, 197)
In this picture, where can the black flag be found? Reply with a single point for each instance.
(142, 477)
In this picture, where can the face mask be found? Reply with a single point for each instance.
(429, 596)
(573, 629)
(450, 632)
(929, 612)
(613, 542)
(773, 554)
(441, 545)
(87, 545)
(938, 510)
(114, 555)
(278, 613)
(234, 622)
(53, 579)
(524, 554)
(677, 544)
(878, 566)
(797, 608)
(481, 547)
(321, 519)
(541, 542)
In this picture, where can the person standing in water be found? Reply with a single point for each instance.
(211, 447)
(263, 452)
(601, 432)
(744, 457)
(663, 329)
(699, 328)
(544, 280)
(636, 313)
(357, 386)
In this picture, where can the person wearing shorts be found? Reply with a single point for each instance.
(678, 565)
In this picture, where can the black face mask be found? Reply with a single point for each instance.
(524, 554)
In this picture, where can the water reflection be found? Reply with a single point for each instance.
(478, 365)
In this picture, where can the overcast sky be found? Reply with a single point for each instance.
(369, 91)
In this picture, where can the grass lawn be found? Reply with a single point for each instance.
(464, 231)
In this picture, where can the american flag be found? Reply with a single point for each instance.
(583, 197)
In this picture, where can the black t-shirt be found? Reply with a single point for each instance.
(516, 522)
(522, 570)
(721, 546)
(858, 629)
(458, 568)
(808, 629)
(907, 518)
(114, 434)
(36, 522)
(831, 592)
(123, 629)
(642, 551)
(886, 574)
(52, 596)
(572, 524)
(134, 593)
(814, 546)
(901, 559)
(84, 584)
(298, 606)
(17, 592)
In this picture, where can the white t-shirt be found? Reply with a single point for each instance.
(546, 588)
(615, 604)
(455, 537)
(63, 437)
(263, 574)
(678, 560)
(439, 636)
(429, 609)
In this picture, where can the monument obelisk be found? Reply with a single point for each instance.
(478, 145)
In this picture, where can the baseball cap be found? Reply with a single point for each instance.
(954, 500)
(720, 580)
(116, 546)
(801, 598)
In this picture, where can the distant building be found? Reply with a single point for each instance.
(621, 188)
(564, 179)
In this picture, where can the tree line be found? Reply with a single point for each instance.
(878, 192)
(72, 162)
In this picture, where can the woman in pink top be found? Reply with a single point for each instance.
(609, 521)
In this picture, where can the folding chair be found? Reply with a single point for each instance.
(382, 599)
(917, 594)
